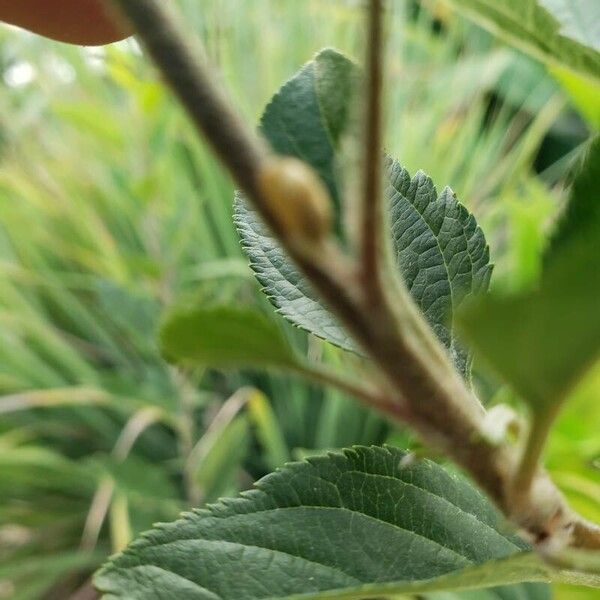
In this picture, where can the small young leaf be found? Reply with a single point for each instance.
(224, 336)
(305, 119)
(440, 251)
(337, 522)
(541, 342)
(548, 30)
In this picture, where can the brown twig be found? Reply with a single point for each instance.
(371, 200)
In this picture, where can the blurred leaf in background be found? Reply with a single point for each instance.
(542, 341)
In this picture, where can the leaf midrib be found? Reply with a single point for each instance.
(459, 509)
(431, 493)
(249, 546)
(437, 243)
(333, 508)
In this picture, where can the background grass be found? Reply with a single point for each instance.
(111, 211)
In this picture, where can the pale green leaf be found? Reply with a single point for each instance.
(541, 342)
(224, 336)
(335, 523)
(559, 32)
(578, 19)
(440, 251)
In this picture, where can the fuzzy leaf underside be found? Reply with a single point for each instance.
(333, 523)
(440, 251)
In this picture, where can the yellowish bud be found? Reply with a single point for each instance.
(296, 199)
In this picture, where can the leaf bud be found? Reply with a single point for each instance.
(296, 199)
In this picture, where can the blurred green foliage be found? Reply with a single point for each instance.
(111, 211)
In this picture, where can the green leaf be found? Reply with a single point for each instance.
(559, 32)
(285, 286)
(367, 517)
(224, 336)
(305, 119)
(440, 251)
(541, 342)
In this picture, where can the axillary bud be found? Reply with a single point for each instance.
(296, 199)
